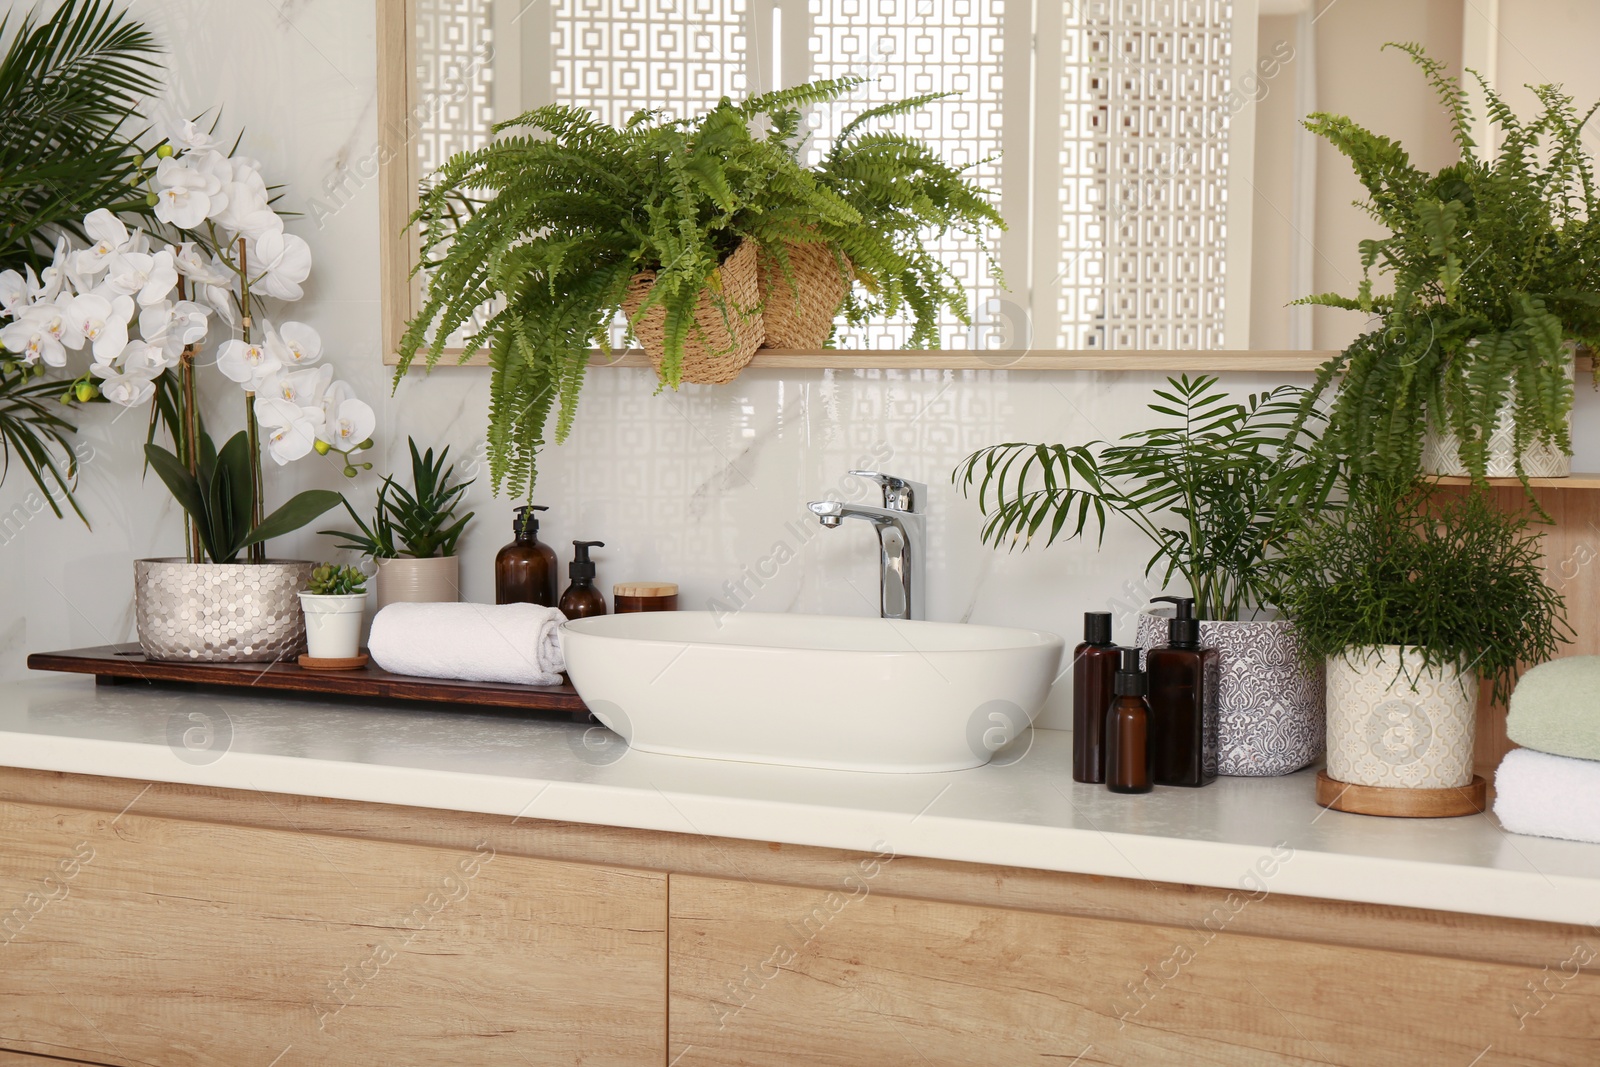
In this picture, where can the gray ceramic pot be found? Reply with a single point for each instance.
(1270, 707)
(220, 612)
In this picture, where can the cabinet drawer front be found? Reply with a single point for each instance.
(770, 974)
(157, 941)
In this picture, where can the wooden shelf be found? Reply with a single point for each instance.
(1031, 359)
(1574, 481)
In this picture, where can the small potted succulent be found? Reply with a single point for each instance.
(1215, 490)
(334, 602)
(1409, 594)
(413, 533)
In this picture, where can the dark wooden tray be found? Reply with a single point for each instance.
(116, 664)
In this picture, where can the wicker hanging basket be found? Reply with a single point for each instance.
(712, 353)
(801, 316)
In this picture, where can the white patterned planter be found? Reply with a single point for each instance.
(1441, 453)
(1393, 722)
(1269, 705)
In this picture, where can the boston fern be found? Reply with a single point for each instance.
(1403, 563)
(529, 243)
(1495, 265)
(1215, 490)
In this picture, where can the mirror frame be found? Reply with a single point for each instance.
(402, 295)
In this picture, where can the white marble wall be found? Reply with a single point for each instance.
(701, 487)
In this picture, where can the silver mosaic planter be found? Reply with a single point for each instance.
(1270, 707)
(220, 612)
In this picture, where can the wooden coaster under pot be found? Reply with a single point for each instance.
(342, 663)
(1469, 799)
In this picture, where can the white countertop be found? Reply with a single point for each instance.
(1025, 813)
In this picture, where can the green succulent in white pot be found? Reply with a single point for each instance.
(1214, 488)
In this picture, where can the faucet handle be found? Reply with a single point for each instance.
(899, 494)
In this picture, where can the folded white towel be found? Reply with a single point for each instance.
(1548, 796)
(518, 643)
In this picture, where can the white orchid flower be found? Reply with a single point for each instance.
(17, 291)
(100, 321)
(127, 390)
(353, 422)
(188, 195)
(249, 211)
(248, 364)
(109, 235)
(292, 429)
(193, 264)
(281, 261)
(142, 357)
(31, 337)
(302, 387)
(54, 277)
(298, 345)
(149, 278)
(189, 137)
(174, 326)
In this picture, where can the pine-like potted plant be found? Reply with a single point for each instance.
(535, 243)
(1495, 265)
(1409, 595)
(334, 601)
(1215, 490)
(413, 533)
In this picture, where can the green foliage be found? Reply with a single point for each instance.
(67, 83)
(528, 243)
(420, 523)
(1453, 575)
(217, 498)
(330, 579)
(1495, 265)
(1215, 490)
(31, 430)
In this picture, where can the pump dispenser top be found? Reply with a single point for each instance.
(524, 523)
(1183, 629)
(1130, 681)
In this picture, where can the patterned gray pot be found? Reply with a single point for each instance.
(1271, 709)
(220, 612)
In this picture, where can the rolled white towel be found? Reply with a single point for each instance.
(519, 643)
(1548, 796)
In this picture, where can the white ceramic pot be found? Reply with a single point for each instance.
(1441, 453)
(219, 612)
(436, 580)
(333, 624)
(1269, 706)
(1393, 722)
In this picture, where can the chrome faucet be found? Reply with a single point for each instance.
(902, 539)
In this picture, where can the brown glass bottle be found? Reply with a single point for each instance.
(582, 599)
(1128, 730)
(1094, 663)
(1183, 681)
(525, 570)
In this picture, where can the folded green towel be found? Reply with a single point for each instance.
(1556, 708)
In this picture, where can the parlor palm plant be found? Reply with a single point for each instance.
(1495, 267)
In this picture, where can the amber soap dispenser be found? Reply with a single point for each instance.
(1128, 729)
(582, 599)
(525, 570)
(1183, 701)
(1094, 665)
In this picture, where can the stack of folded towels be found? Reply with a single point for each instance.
(1550, 787)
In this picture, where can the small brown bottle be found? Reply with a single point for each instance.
(1128, 730)
(1094, 663)
(525, 570)
(582, 599)
(1183, 681)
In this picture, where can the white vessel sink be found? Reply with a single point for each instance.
(810, 690)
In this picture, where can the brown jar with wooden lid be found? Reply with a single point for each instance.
(644, 596)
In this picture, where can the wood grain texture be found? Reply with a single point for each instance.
(127, 663)
(1439, 933)
(775, 974)
(397, 169)
(1389, 802)
(25, 1059)
(133, 939)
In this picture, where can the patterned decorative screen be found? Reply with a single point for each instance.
(908, 47)
(618, 56)
(1144, 166)
(454, 78)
